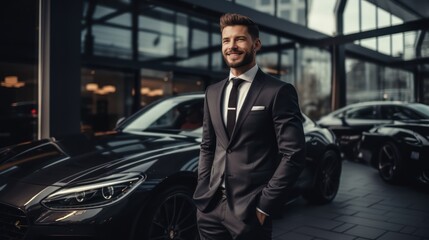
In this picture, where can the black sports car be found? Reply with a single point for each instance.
(135, 182)
(349, 122)
(398, 150)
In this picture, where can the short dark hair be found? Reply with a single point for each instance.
(232, 19)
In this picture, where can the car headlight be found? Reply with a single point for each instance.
(94, 194)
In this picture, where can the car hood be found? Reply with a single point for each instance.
(57, 162)
(419, 126)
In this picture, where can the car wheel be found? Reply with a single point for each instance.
(173, 216)
(327, 180)
(389, 163)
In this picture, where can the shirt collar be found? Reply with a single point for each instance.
(247, 76)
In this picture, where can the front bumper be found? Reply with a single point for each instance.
(115, 221)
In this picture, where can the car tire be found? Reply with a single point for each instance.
(327, 180)
(389, 163)
(172, 215)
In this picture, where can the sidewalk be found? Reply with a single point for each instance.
(365, 208)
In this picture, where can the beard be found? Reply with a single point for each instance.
(247, 59)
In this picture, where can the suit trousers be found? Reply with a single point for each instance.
(221, 224)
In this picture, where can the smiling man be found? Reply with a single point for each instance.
(253, 145)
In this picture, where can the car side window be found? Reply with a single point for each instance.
(362, 113)
(186, 116)
(398, 113)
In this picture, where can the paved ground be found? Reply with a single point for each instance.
(365, 208)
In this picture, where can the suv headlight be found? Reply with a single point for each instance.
(100, 192)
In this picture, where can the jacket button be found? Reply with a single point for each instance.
(228, 151)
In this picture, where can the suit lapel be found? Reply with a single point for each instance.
(249, 101)
(218, 110)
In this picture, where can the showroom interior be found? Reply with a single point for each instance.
(73, 66)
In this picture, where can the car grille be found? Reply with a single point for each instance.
(13, 223)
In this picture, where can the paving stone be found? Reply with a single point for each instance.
(344, 227)
(408, 229)
(283, 227)
(409, 212)
(345, 211)
(322, 213)
(365, 232)
(365, 208)
(422, 232)
(397, 236)
(294, 236)
(318, 222)
(396, 203)
(408, 220)
(372, 216)
(315, 232)
(370, 223)
(363, 202)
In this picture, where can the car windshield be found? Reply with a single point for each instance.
(172, 115)
(421, 108)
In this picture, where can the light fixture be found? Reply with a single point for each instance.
(151, 93)
(156, 92)
(109, 88)
(91, 87)
(12, 82)
(144, 90)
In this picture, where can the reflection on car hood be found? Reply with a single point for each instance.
(419, 126)
(58, 162)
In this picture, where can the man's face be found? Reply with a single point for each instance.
(238, 47)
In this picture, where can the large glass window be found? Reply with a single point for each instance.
(398, 85)
(362, 15)
(199, 43)
(362, 81)
(268, 60)
(160, 34)
(266, 6)
(287, 66)
(351, 17)
(410, 44)
(368, 22)
(106, 97)
(368, 19)
(217, 59)
(367, 81)
(292, 10)
(321, 16)
(106, 31)
(314, 81)
(18, 71)
(157, 84)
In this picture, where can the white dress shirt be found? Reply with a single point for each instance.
(243, 89)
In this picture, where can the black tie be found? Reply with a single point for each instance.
(232, 105)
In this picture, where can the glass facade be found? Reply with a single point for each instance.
(313, 81)
(363, 15)
(18, 72)
(135, 52)
(321, 16)
(368, 81)
(106, 97)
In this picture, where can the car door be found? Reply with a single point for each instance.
(354, 122)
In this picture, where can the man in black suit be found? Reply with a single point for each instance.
(253, 145)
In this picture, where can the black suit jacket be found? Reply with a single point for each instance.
(265, 153)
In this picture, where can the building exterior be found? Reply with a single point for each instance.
(81, 65)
